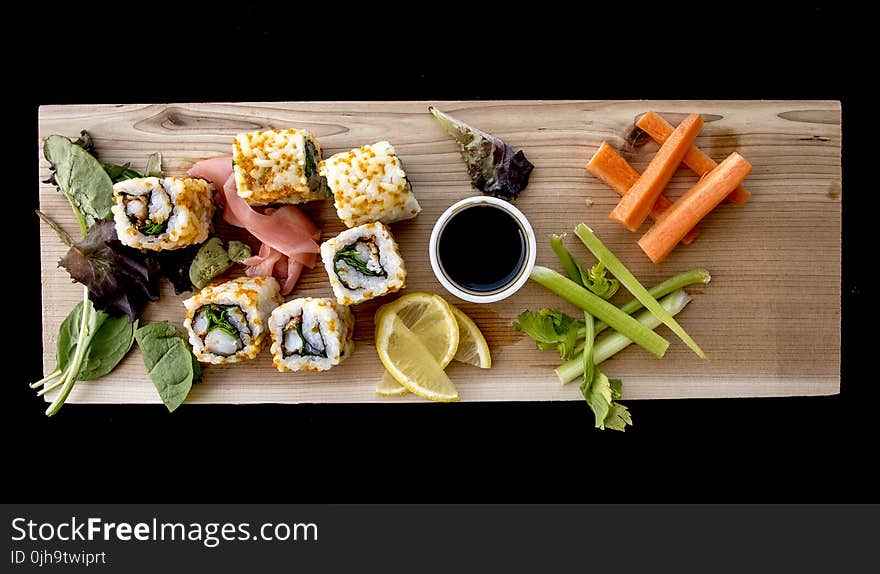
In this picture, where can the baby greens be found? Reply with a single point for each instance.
(495, 167)
(90, 345)
(119, 278)
(112, 339)
(81, 178)
(91, 342)
(169, 362)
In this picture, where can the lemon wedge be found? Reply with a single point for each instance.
(472, 346)
(389, 387)
(411, 362)
(427, 323)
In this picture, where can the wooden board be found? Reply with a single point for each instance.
(769, 320)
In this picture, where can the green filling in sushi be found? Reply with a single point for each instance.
(224, 328)
(296, 343)
(360, 258)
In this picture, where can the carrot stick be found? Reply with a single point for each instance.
(613, 169)
(635, 206)
(659, 129)
(693, 206)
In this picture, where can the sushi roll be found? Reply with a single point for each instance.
(368, 184)
(160, 213)
(311, 334)
(362, 263)
(277, 166)
(226, 322)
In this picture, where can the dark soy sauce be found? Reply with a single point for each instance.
(482, 248)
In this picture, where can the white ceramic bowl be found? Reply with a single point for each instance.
(503, 292)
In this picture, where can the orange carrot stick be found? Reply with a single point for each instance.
(613, 169)
(635, 206)
(659, 129)
(693, 206)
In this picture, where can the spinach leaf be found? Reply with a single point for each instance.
(111, 341)
(121, 172)
(169, 362)
(153, 228)
(81, 178)
(218, 319)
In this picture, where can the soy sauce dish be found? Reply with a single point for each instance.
(482, 249)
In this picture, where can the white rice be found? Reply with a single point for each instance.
(323, 321)
(369, 184)
(368, 287)
(270, 167)
(188, 216)
(256, 296)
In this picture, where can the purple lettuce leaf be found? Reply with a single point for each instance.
(120, 279)
(495, 167)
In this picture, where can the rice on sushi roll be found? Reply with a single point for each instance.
(363, 263)
(368, 184)
(159, 213)
(277, 166)
(226, 322)
(311, 334)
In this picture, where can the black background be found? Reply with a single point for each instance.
(798, 449)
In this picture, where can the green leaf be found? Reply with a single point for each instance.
(596, 281)
(153, 228)
(495, 167)
(81, 178)
(68, 333)
(618, 418)
(119, 278)
(218, 319)
(111, 339)
(110, 344)
(154, 166)
(598, 395)
(550, 329)
(169, 362)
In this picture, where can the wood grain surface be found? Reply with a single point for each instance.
(769, 320)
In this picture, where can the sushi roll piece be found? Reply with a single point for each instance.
(226, 322)
(363, 263)
(311, 334)
(368, 184)
(158, 213)
(277, 166)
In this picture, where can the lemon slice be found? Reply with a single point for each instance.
(472, 346)
(389, 387)
(430, 318)
(410, 361)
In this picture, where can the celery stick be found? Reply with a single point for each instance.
(619, 270)
(587, 358)
(598, 307)
(613, 343)
(575, 273)
(661, 289)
